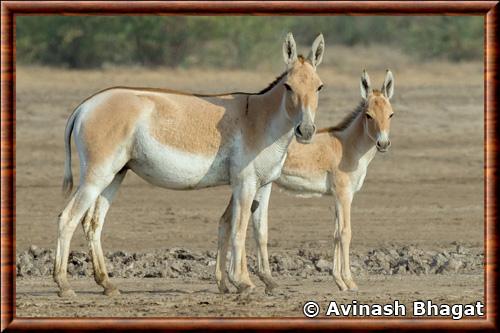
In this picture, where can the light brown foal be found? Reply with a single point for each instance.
(335, 163)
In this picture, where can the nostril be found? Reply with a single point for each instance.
(378, 144)
(314, 128)
(298, 131)
(388, 143)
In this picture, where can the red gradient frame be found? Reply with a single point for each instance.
(10, 9)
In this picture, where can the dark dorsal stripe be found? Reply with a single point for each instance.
(177, 92)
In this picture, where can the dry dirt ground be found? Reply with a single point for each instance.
(425, 195)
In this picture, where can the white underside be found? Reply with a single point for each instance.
(304, 187)
(314, 186)
(172, 168)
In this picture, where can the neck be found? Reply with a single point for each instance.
(269, 108)
(358, 141)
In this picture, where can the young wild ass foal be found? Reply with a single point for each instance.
(335, 163)
(184, 141)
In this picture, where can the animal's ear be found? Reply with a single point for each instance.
(365, 85)
(388, 86)
(289, 50)
(317, 50)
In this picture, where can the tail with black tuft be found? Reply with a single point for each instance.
(67, 186)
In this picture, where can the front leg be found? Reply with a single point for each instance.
(337, 258)
(243, 195)
(345, 200)
(259, 218)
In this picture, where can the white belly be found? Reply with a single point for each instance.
(305, 186)
(172, 168)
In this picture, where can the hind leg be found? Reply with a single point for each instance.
(222, 245)
(82, 200)
(222, 250)
(92, 226)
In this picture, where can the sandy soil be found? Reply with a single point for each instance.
(187, 297)
(427, 191)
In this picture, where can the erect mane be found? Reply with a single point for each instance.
(347, 121)
(272, 84)
(300, 58)
(263, 91)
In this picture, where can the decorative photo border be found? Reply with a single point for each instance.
(11, 9)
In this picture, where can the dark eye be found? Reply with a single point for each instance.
(368, 116)
(320, 87)
(392, 114)
(287, 87)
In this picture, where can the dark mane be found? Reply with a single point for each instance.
(347, 121)
(263, 91)
(300, 58)
(272, 84)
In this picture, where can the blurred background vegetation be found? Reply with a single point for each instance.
(232, 42)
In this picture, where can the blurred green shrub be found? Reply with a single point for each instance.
(93, 41)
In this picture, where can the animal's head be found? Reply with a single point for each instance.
(302, 85)
(378, 111)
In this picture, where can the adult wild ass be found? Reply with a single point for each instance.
(184, 141)
(335, 163)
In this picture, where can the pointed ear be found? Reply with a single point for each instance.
(365, 85)
(289, 50)
(388, 86)
(317, 50)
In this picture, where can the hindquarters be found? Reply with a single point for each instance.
(104, 133)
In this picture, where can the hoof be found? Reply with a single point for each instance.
(68, 293)
(352, 286)
(245, 296)
(111, 292)
(342, 286)
(270, 286)
(269, 291)
(268, 281)
(245, 289)
(224, 289)
(340, 282)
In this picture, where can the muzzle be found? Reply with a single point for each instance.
(383, 146)
(383, 143)
(304, 133)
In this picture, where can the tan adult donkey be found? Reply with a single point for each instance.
(334, 164)
(184, 141)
